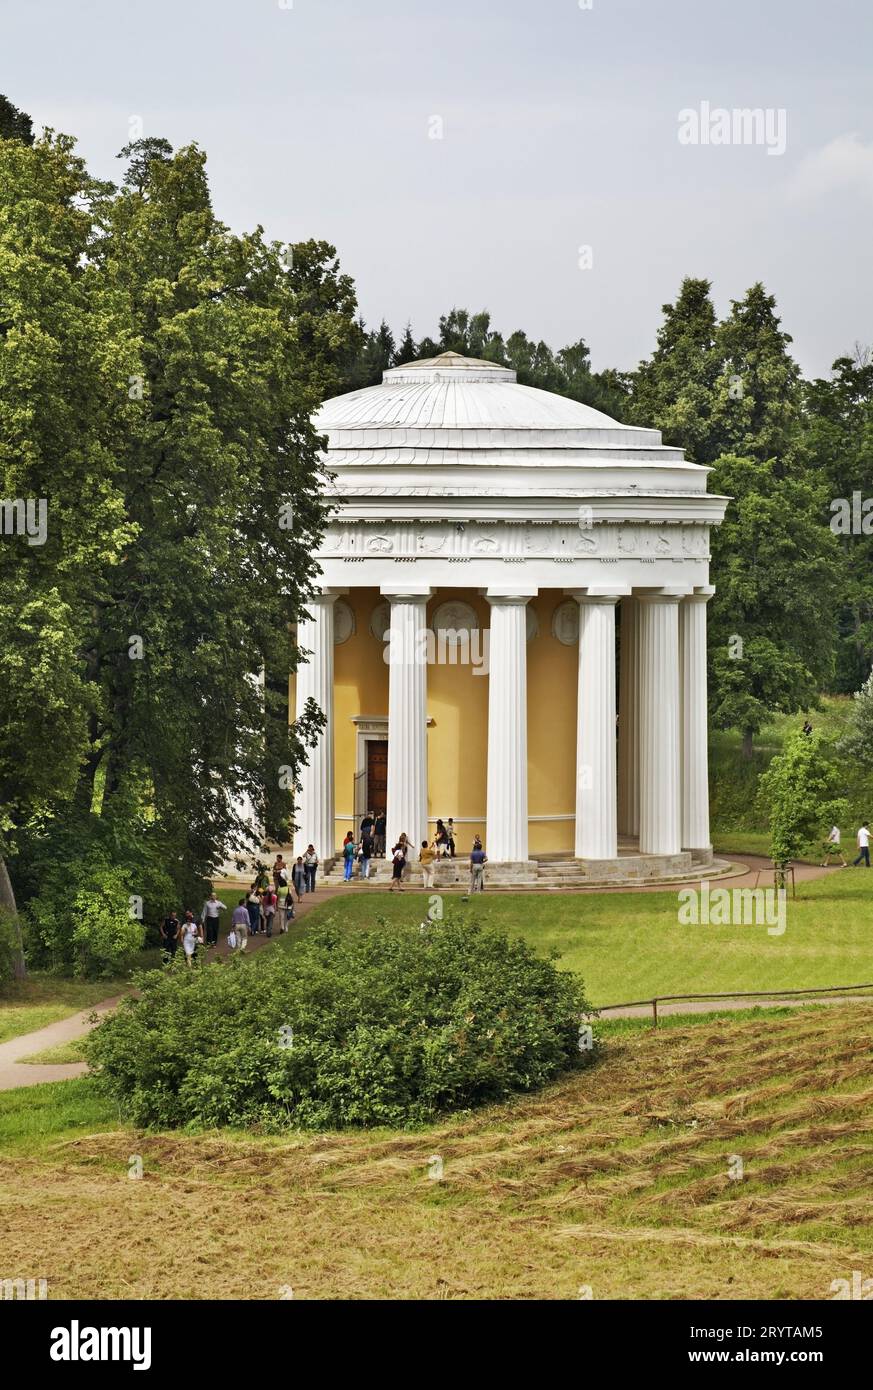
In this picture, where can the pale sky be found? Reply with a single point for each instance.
(559, 131)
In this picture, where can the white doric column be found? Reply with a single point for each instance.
(406, 809)
(314, 807)
(629, 721)
(660, 820)
(596, 832)
(695, 757)
(506, 807)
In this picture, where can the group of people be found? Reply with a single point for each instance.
(427, 857)
(833, 847)
(268, 903)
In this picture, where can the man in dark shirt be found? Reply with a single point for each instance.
(379, 831)
(367, 847)
(367, 824)
(478, 860)
(170, 928)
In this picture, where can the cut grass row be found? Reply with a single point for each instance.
(617, 1178)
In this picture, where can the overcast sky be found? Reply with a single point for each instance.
(559, 130)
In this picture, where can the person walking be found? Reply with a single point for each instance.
(348, 857)
(288, 915)
(170, 929)
(240, 922)
(209, 918)
(253, 903)
(280, 872)
(379, 834)
(863, 846)
(192, 937)
(310, 864)
(478, 860)
(367, 852)
(298, 878)
(269, 903)
(440, 840)
(426, 856)
(398, 864)
(832, 848)
(450, 832)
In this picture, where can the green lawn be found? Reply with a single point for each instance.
(629, 946)
(42, 999)
(60, 1053)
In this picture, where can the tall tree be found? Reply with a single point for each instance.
(14, 124)
(673, 391)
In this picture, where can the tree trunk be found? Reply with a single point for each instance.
(748, 735)
(7, 900)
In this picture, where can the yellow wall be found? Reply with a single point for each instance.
(457, 741)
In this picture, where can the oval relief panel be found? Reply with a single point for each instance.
(380, 620)
(343, 622)
(565, 622)
(454, 615)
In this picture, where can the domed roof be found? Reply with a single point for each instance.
(453, 435)
(454, 392)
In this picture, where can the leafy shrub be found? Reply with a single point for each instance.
(390, 1026)
(8, 945)
(86, 924)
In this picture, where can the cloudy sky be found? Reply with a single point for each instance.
(466, 152)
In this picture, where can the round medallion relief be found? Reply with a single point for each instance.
(454, 615)
(565, 622)
(380, 620)
(343, 622)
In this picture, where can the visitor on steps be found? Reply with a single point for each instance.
(398, 864)
(450, 832)
(863, 845)
(170, 930)
(832, 848)
(298, 877)
(348, 857)
(209, 918)
(441, 839)
(367, 824)
(253, 904)
(379, 835)
(310, 864)
(192, 937)
(478, 860)
(426, 856)
(367, 852)
(240, 923)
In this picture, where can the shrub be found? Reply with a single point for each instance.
(87, 925)
(381, 1027)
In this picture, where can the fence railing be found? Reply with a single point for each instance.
(733, 994)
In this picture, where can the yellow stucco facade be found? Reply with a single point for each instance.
(457, 738)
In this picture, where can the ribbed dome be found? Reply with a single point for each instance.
(454, 392)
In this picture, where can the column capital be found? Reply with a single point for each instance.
(327, 595)
(659, 596)
(594, 596)
(406, 593)
(701, 595)
(508, 595)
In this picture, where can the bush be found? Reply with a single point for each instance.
(86, 925)
(382, 1027)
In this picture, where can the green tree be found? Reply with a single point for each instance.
(65, 342)
(774, 566)
(801, 791)
(674, 390)
(15, 124)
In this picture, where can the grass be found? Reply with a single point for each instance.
(61, 1052)
(42, 999)
(629, 946)
(616, 1178)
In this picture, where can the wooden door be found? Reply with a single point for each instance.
(377, 774)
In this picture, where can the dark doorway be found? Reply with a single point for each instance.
(377, 774)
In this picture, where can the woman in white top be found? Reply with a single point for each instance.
(192, 936)
(832, 847)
